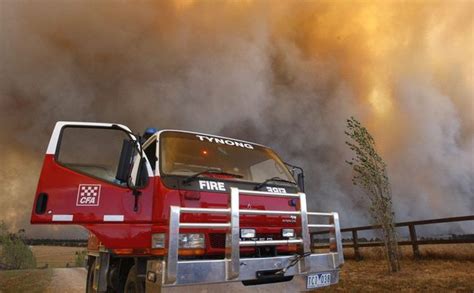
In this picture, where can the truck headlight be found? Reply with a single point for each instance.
(158, 240)
(288, 233)
(247, 233)
(191, 240)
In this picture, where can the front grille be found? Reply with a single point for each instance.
(217, 240)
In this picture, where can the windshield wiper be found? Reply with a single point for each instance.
(209, 171)
(273, 179)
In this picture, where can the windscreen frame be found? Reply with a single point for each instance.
(274, 154)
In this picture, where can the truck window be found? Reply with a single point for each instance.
(185, 154)
(150, 152)
(92, 151)
(261, 170)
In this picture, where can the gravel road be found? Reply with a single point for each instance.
(68, 280)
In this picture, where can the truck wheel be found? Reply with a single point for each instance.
(90, 277)
(133, 283)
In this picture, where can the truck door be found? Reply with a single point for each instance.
(78, 182)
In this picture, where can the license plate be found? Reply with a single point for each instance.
(318, 280)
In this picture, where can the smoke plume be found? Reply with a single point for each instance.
(282, 74)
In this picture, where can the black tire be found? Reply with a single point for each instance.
(133, 283)
(90, 277)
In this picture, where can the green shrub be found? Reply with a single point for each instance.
(80, 260)
(15, 254)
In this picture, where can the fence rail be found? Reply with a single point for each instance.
(414, 241)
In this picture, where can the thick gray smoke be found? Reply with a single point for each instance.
(285, 75)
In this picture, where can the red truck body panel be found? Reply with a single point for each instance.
(134, 232)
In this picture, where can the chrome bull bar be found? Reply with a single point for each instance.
(182, 272)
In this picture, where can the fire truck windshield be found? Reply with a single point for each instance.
(186, 154)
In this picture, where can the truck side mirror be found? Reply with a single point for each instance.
(142, 175)
(301, 181)
(124, 166)
(300, 177)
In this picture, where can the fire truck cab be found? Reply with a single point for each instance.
(183, 208)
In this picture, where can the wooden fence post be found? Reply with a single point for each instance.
(355, 241)
(414, 241)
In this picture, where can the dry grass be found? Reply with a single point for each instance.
(420, 275)
(440, 251)
(55, 256)
(459, 251)
(24, 280)
(442, 268)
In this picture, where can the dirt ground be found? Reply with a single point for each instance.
(67, 280)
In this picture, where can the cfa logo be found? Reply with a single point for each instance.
(88, 195)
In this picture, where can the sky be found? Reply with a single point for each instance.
(284, 74)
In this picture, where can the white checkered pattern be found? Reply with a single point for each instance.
(89, 190)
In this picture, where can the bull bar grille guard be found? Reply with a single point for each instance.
(186, 272)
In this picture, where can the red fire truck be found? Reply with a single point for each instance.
(183, 208)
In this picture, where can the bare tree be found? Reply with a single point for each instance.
(370, 173)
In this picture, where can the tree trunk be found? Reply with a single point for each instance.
(391, 247)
